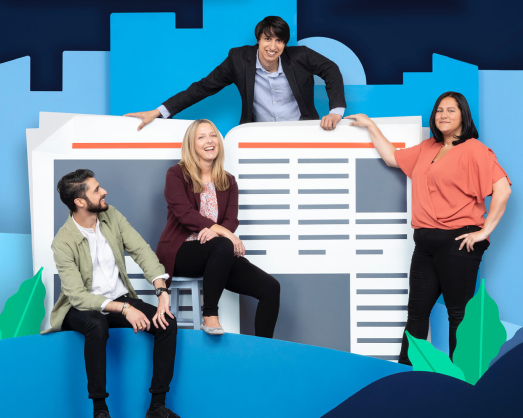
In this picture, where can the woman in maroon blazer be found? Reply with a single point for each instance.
(199, 239)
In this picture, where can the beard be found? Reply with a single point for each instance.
(91, 207)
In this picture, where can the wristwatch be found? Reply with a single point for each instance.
(159, 290)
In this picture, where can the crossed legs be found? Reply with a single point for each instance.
(215, 261)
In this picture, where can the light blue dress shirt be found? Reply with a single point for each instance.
(273, 97)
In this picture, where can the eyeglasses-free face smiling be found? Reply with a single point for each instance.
(94, 199)
(270, 48)
(206, 143)
(448, 117)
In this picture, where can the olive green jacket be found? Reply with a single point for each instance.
(75, 267)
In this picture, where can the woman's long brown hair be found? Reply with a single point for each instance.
(190, 163)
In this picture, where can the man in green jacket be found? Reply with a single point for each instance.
(96, 293)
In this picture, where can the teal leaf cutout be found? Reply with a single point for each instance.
(425, 358)
(24, 311)
(480, 336)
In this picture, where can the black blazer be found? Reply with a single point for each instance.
(299, 65)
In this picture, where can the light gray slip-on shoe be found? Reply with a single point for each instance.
(212, 330)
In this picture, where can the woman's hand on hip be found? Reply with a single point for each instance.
(470, 239)
(239, 248)
(361, 120)
(206, 234)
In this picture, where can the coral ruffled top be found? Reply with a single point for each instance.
(450, 193)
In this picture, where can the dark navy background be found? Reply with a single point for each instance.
(43, 29)
(389, 37)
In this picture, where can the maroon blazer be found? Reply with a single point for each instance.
(184, 218)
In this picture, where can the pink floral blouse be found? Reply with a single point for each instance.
(208, 206)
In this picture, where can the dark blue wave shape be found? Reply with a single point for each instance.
(498, 394)
(516, 340)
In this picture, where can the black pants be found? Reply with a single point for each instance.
(215, 261)
(439, 267)
(95, 327)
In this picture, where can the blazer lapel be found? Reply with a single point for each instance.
(221, 197)
(197, 198)
(250, 71)
(289, 73)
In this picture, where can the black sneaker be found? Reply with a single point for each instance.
(160, 411)
(101, 414)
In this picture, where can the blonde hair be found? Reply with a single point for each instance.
(190, 163)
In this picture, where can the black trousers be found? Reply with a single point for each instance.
(95, 327)
(215, 261)
(439, 267)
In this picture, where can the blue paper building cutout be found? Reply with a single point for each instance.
(85, 90)
(140, 80)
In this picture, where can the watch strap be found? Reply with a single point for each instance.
(160, 290)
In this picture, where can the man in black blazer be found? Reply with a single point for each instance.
(275, 81)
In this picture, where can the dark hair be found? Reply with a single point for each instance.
(468, 129)
(72, 186)
(273, 26)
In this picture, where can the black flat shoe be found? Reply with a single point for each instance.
(101, 414)
(160, 411)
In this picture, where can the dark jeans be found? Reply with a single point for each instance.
(439, 267)
(95, 327)
(215, 261)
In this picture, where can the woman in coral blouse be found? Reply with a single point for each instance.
(199, 239)
(452, 173)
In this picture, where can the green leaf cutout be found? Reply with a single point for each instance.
(425, 358)
(24, 311)
(479, 337)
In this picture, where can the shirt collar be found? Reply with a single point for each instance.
(81, 228)
(258, 65)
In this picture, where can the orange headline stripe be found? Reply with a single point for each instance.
(312, 144)
(125, 145)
